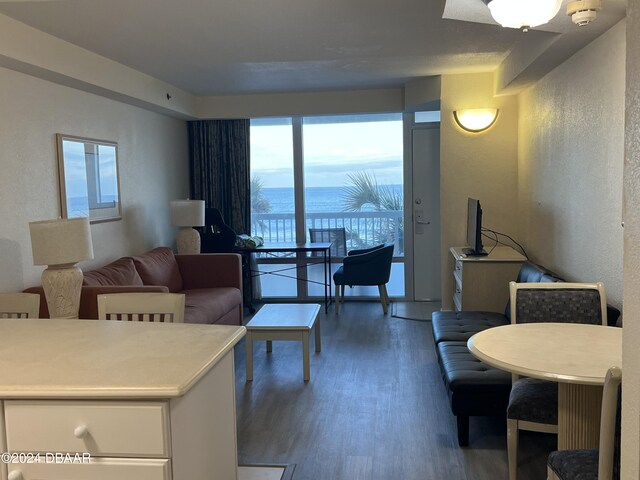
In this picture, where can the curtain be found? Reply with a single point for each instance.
(219, 168)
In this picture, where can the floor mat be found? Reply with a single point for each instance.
(414, 310)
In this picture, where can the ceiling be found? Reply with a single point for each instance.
(225, 47)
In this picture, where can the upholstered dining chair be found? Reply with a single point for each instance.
(533, 403)
(142, 307)
(603, 463)
(19, 305)
(370, 266)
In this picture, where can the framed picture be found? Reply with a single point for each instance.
(89, 183)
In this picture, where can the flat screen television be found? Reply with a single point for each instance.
(474, 229)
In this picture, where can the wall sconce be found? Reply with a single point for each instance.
(475, 120)
(523, 14)
(187, 214)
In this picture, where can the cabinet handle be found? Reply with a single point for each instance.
(15, 475)
(81, 431)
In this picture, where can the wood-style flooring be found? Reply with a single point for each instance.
(375, 408)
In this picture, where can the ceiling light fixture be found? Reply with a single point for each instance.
(476, 120)
(523, 14)
(583, 12)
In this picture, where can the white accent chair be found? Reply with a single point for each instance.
(142, 307)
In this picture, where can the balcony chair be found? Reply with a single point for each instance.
(19, 305)
(533, 403)
(336, 235)
(370, 266)
(603, 463)
(142, 307)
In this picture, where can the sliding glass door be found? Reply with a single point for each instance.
(348, 173)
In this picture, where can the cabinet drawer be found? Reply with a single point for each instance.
(107, 429)
(96, 469)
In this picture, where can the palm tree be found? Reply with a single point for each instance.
(363, 193)
(259, 203)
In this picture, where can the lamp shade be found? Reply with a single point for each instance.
(187, 213)
(523, 13)
(61, 242)
(476, 119)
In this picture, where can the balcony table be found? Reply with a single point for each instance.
(576, 356)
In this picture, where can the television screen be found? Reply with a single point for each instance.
(474, 228)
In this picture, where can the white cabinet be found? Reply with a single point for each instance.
(169, 416)
(482, 283)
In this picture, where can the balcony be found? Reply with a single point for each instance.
(363, 229)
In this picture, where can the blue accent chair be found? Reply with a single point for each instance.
(370, 266)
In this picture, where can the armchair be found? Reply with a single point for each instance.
(370, 266)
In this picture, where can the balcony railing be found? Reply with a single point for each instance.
(363, 229)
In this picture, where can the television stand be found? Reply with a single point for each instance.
(469, 252)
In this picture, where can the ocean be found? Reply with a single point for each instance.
(317, 199)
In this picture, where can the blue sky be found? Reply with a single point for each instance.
(75, 170)
(331, 151)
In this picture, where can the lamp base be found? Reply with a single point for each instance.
(62, 285)
(188, 241)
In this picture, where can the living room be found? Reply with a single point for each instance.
(549, 172)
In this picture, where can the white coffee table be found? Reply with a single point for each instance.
(284, 322)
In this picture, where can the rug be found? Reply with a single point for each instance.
(420, 311)
(266, 472)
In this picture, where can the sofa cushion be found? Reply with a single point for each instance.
(204, 304)
(120, 272)
(159, 267)
(460, 326)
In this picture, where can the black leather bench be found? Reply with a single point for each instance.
(474, 388)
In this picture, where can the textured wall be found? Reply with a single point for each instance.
(482, 166)
(153, 170)
(631, 313)
(571, 150)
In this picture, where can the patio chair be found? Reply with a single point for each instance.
(533, 403)
(19, 305)
(603, 463)
(370, 266)
(336, 235)
(142, 307)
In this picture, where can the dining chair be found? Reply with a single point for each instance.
(142, 307)
(336, 235)
(19, 305)
(533, 403)
(603, 463)
(367, 267)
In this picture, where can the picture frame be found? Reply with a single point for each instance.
(89, 179)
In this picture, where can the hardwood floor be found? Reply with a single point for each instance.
(375, 408)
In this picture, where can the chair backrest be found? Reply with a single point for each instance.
(336, 235)
(560, 302)
(609, 448)
(142, 307)
(217, 236)
(19, 305)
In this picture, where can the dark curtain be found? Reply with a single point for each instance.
(219, 168)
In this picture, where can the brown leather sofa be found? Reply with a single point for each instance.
(212, 284)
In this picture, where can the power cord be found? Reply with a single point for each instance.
(495, 233)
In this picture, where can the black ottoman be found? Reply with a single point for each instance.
(474, 388)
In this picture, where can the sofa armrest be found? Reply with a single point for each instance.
(210, 270)
(89, 296)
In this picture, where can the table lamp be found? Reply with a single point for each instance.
(60, 244)
(188, 214)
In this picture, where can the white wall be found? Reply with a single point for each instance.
(571, 150)
(482, 166)
(631, 312)
(153, 170)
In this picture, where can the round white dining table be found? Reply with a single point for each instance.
(577, 356)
